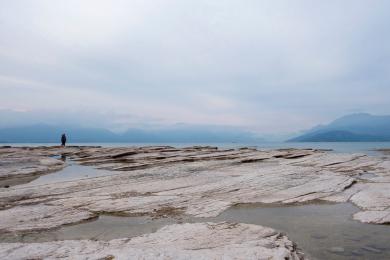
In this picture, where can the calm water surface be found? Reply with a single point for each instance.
(343, 147)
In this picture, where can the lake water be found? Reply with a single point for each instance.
(341, 147)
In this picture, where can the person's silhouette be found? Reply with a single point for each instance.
(63, 139)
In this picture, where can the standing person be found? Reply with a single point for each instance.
(63, 139)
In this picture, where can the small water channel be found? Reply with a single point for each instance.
(73, 171)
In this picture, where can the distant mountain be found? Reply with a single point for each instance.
(337, 136)
(51, 134)
(182, 134)
(190, 134)
(351, 128)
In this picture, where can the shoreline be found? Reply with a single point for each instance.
(200, 181)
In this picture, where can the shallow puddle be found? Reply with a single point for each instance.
(367, 176)
(323, 231)
(71, 172)
(103, 228)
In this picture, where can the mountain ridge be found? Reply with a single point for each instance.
(41, 133)
(350, 128)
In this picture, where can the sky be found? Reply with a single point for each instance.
(271, 67)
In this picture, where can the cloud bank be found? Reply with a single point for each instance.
(265, 66)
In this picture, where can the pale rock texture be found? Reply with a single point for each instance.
(185, 241)
(197, 181)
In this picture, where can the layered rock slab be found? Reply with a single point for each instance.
(184, 241)
(16, 163)
(196, 181)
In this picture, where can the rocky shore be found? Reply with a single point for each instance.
(167, 181)
(186, 241)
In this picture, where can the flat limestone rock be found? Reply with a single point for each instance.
(184, 241)
(375, 196)
(373, 216)
(38, 217)
(28, 165)
(194, 181)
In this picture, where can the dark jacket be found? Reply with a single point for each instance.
(63, 139)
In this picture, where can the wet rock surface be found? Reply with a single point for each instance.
(22, 165)
(194, 181)
(185, 241)
(197, 181)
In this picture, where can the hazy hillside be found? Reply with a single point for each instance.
(47, 134)
(190, 134)
(351, 128)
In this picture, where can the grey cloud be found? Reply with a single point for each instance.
(241, 63)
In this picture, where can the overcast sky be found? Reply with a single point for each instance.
(266, 66)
